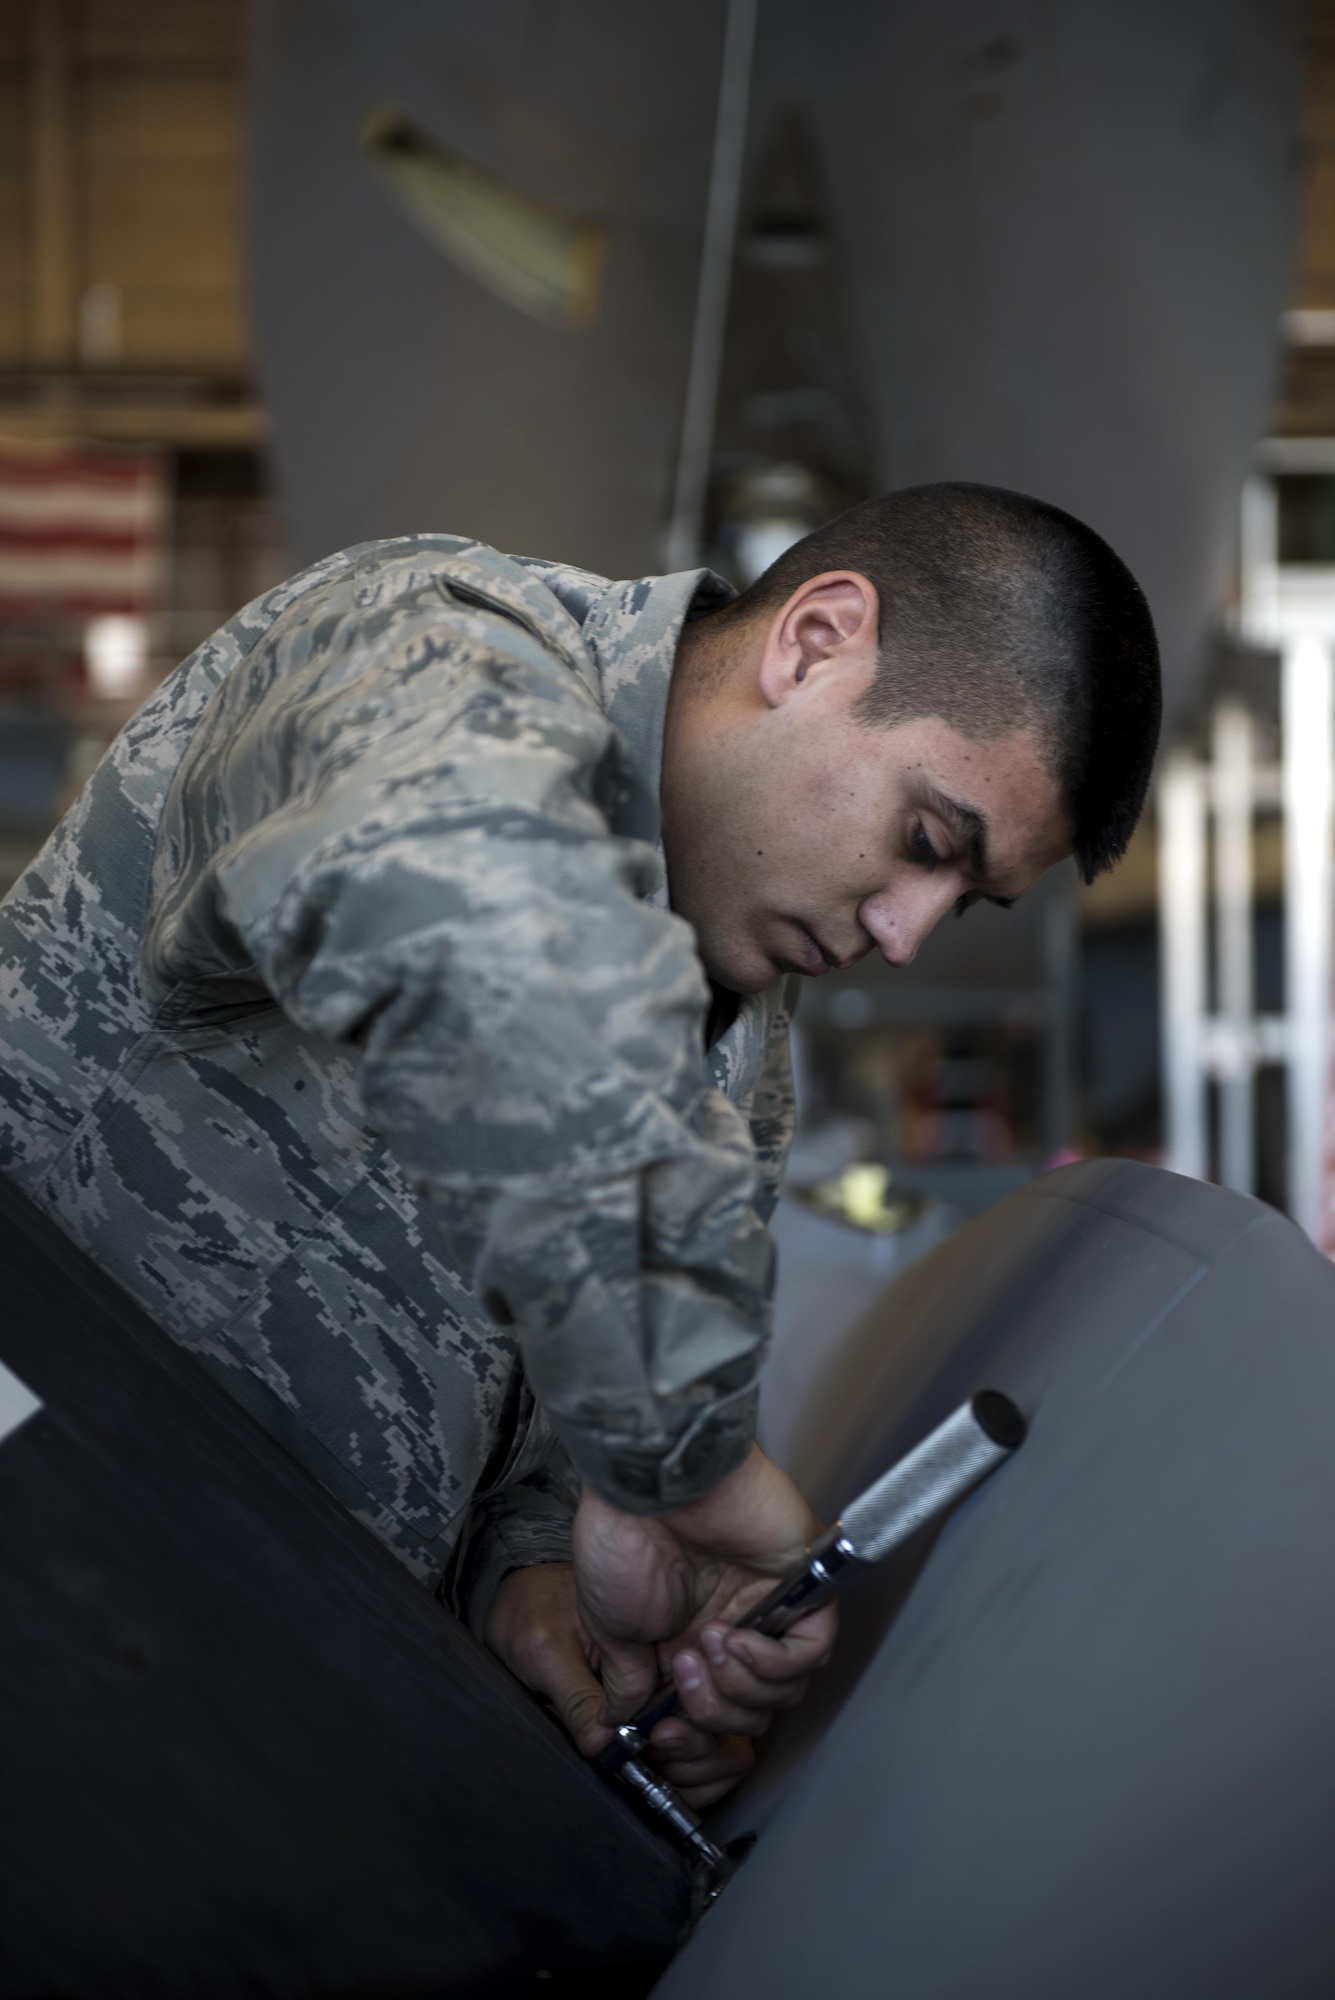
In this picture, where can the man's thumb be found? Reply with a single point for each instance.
(580, 1710)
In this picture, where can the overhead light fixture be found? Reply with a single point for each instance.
(542, 258)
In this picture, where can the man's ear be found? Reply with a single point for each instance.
(830, 624)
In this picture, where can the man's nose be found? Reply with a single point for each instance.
(898, 924)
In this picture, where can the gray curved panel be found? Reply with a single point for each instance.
(1091, 1753)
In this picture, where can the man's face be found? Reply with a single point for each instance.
(799, 838)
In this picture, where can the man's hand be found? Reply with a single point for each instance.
(533, 1626)
(659, 1595)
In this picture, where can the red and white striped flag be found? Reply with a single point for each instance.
(81, 533)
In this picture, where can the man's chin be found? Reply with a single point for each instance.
(744, 980)
(739, 964)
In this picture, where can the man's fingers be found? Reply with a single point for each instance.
(700, 1766)
(630, 1676)
(724, 1712)
(798, 1653)
(732, 1680)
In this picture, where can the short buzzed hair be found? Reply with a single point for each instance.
(999, 612)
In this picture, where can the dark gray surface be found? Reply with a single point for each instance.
(1094, 1754)
(1062, 240)
(241, 1751)
(406, 396)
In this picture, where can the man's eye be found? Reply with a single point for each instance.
(921, 847)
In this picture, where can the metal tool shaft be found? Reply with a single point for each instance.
(679, 1820)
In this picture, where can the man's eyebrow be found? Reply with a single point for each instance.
(971, 827)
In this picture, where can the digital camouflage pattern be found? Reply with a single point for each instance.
(345, 1024)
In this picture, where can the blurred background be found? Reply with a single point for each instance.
(639, 287)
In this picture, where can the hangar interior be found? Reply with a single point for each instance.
(637, 289)
(216, 289)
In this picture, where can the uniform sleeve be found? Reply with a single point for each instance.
(524, 1524)
(402, 827)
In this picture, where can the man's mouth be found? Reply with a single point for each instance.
(812, 958)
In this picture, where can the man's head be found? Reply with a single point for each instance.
(929, 700)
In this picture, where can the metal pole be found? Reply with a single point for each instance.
(1236, 1068)
(1182, 969)
(1259, 560)
(711, 304)
(1308, 710)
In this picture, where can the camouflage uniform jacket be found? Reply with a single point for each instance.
(346, 1025)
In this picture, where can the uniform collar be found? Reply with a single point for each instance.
(632, 630)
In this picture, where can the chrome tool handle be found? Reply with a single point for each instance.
(824, 1572)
